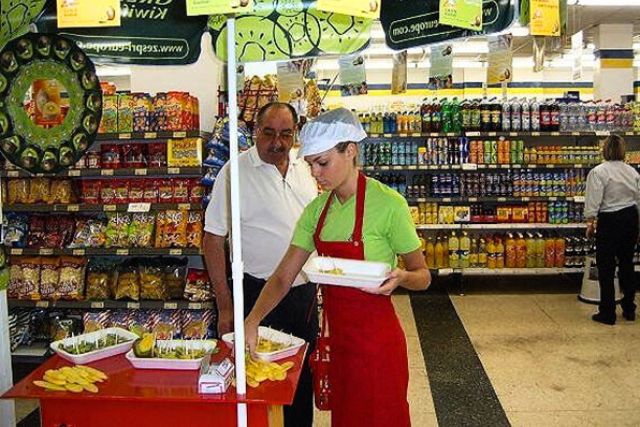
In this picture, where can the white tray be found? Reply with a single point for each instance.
(273, 335)
(92, 356)
(173, 364)
(357, 274)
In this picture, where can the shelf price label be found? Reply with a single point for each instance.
(175, 252)
(179, 134)
(473, 133)
(42, 304)
(109, 208)
(79, 252)
(493, 166)
(97, 304)
(550, 166)
(13, 174)
(384, 168)
(553, 199)
(502, 199)
(75, 172)
(446, 199)
(140, 172)
(469, 167)
(106, 172)
(578, 199)
(133, 305)
(603, 133)
(473, 199)
(513, 133)
(124, 136)
(184, 206)
(139, 207)
(122, 252)
(195, 306)
(73, 208)
(535, 133)
(505, 166)
(16, 251)
(173, 171)
(412, 167)
(150, 135)
(170, 305)
(46, 252)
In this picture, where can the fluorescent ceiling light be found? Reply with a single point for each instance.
(609, 3)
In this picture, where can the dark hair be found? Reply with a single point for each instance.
(265, 108)
(341, 147)
(614, 148)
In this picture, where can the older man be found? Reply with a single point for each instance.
(275, 187)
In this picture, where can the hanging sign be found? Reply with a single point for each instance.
(290, 81)
(500, 59)
(353, 78)
(214, 7)
(545, 17)
(88, 13)
(441, 69)
(369, 9)
(461, 13)
(576, 50)
(15, 17)
(411, 23)
(539, 51)
(277, 31)
(155, 32)
(399, 73)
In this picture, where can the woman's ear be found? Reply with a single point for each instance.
(352, 151)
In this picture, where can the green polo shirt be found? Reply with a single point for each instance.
(388, 228)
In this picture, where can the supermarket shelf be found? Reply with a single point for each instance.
(150, 135)
(106, 252)
(36, 353)
(577, 199)
(155, 305)
(518, 271)
(193, 171)
(496, 134)
(473, 166)
(499, 226)
(122, 207)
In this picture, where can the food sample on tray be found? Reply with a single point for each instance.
(75, 379)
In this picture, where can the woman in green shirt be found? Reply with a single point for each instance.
(356, 218)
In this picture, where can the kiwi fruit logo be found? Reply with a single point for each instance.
(15, 16)
(285, 29)
(34, 57)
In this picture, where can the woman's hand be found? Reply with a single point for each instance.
(591, 230)
(394, 279)
(251, 336)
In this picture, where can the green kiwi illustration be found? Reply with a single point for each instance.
(263, 8)
(30, 157)
(24, 49)
(216, 22)
(94, 102)
(289, 7)
(304, 32)
(67, 156)
(78, 60)
(15, 17)
(43, 46)
(12, 144)
(341, 33)
(8, 62)
(80, 141)
(62, 49)
(5, 125)
(49, 159)
(4, 83)
(255, 40)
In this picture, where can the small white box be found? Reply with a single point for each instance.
(355, 273)
(215, 378)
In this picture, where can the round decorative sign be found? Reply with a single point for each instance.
(50, 102)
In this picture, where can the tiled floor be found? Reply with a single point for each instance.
(548, 363)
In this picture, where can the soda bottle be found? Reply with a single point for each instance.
(473, 253)
(531, 251)
(436, 118)
(467, 123)
(366, 123)
(510, 246)
(456, 117)
(465, 249)
(507, 115)
(549, 252)
(491, 253)
(476, 115)
(482, 253)
(517, 114)
(485, 116)
(540, 250)
(545, 117)
(496, 116)
(499, 250)
(445, 116)
(601, 114)
(563, 112)
(425, 114)
(559, 247)
(430, 254)
(454, 247)
(439, 252)
(555, 116)
(521, 251)
(535, 117)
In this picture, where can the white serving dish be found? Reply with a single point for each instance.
(356, 273)
(92, 356)
(173, 364)
(273, 335)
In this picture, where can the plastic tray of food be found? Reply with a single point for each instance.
(346, 272)
(272, 345)
(175, 355)
(94, 346)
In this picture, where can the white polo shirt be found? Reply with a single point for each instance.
(270, 206)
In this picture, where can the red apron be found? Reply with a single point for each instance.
(369, 367)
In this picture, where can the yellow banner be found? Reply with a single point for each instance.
(364, 8)
(545, 17)
(218, 7)
(88, 13)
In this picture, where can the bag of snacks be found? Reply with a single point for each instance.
(136, 191)
(72, 272)
(180, 190)
(172, 231)
(49, 278)
(37, 231)
(165, 191)
(100, 279)
(90, 233)
(60, 230)
(150, 191)
(174, 275)
(15, 229)
(122, 191)
(62, 192)
(15, 278)
(195, 230)
(128, 282)
(95, 321)
(157, 155)
(198, 287)
(141, 230)
(108, 191)
(152, 285)
(91, 191)
(18, 191)
(196, 190)
(39, 190)
(117, 232)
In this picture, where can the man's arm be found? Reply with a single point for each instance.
(215, 259)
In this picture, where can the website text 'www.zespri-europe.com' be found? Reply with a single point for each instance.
(132, 47)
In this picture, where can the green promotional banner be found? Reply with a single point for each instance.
(411, 23)
(153, 32)
(278, 30)
(462, 13)
(15, 17)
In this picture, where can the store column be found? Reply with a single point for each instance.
(614, 73)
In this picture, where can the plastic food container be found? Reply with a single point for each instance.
(173, 364)
(355, 273)
(292, 343)
(92, 356)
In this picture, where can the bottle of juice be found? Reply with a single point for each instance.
(521, 251)
(491, 253)
(473, 253)
(454, 247)
(499, 249)
(531, 251)
(465, 249)
(439, 253)
(430, 253)
(540, 248)
(482, 253)
(549, 252)
(559, 248)
(445, 252)
(510, 247)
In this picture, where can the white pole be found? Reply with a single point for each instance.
(7, 413)
(237, 266)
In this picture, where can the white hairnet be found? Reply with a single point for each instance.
(328, 130)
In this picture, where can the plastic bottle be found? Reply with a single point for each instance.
(521, 251)
(485, 115)
(545, 117)
(465, 250)
(535, 117)
(445, 251)
(430, 254)
(555, 117)
(445, 116)
(473, 253)
(439, 253)
(496, 116)
(454, 247)
(491, 254)
(507, 124)
(601, 108)
(456, 117)
(366, 123)
(540, 250)
(499, 250)
(549, 252)
(592, 116)
(563, 111)
(559, 248)
(510, 247)
(482, 253)
(425, 111)
(436, 118)
(531, 251)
